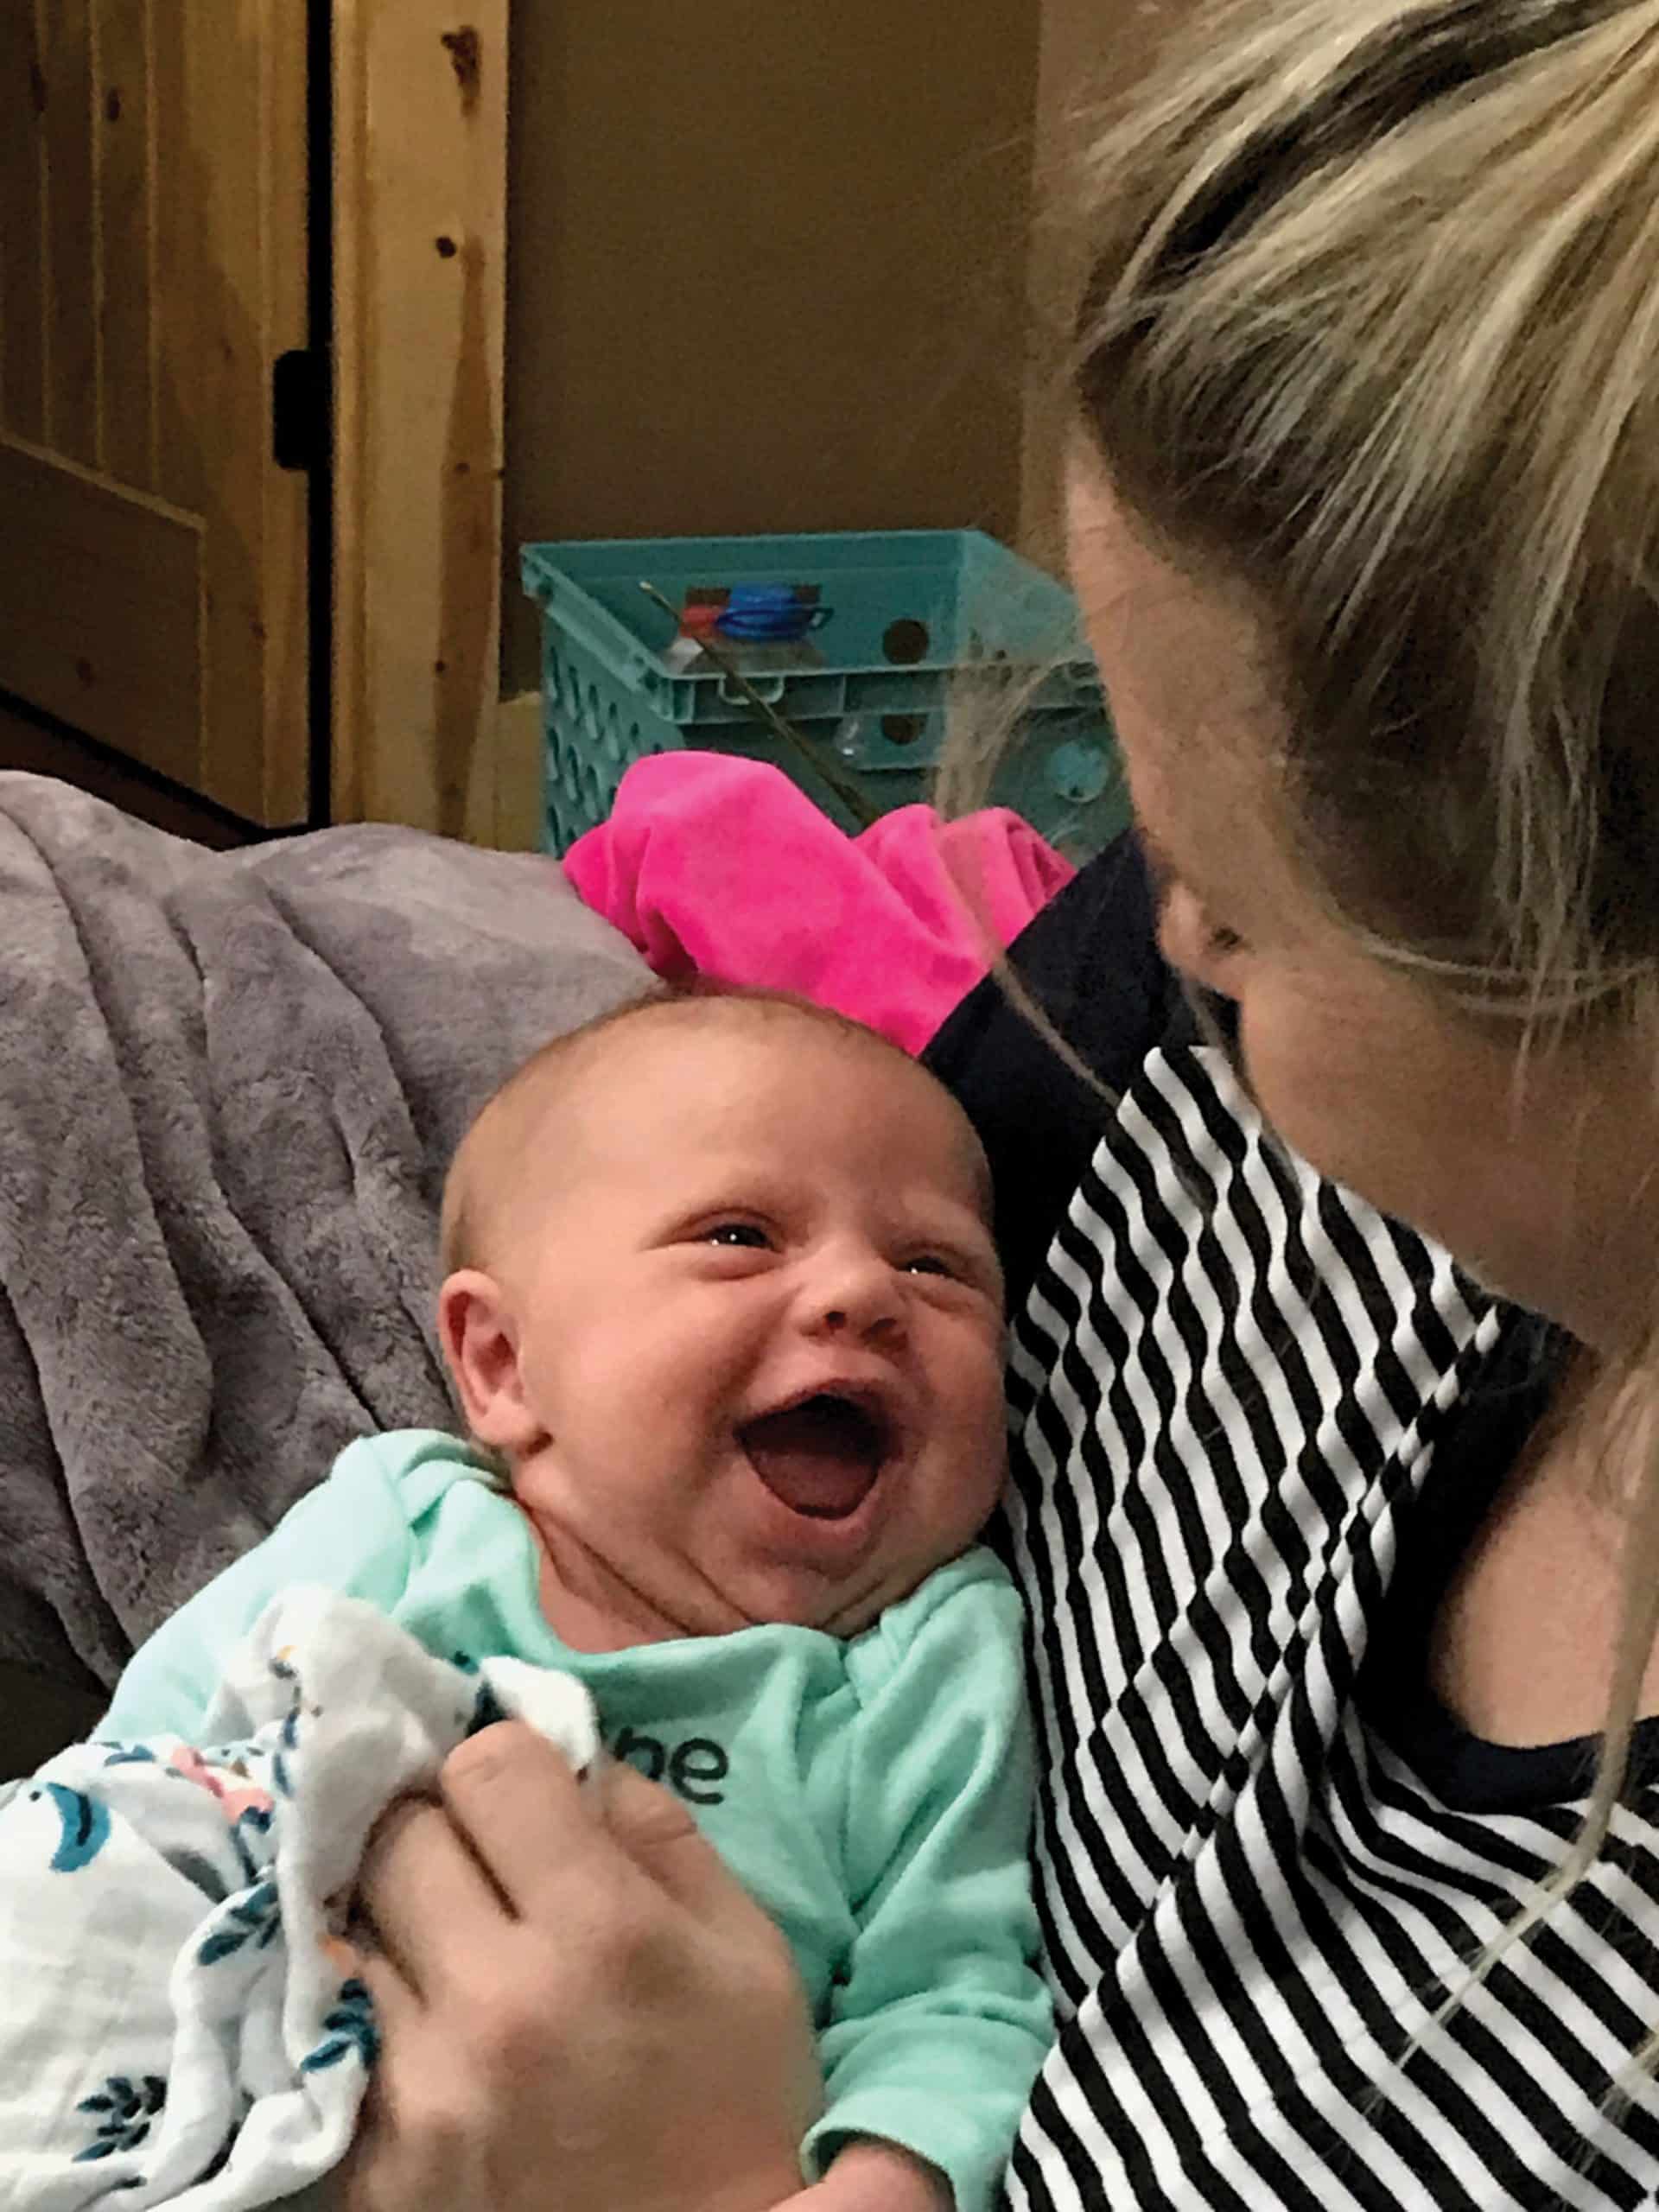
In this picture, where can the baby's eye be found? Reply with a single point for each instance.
(738, 1235)
(1220, 943)
(974, 1272)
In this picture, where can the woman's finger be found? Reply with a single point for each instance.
(430, 1903)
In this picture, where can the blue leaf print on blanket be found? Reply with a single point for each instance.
(487, 1709)
(350, 2027)
(254, 1822)
(125, 2109)
(191, 1866)
(252, 1919)
(86, 1827)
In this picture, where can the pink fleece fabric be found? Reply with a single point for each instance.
(720, 867)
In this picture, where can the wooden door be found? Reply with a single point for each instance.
(153, 255)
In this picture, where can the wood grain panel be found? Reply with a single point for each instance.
(156, 171)
(65, 30)
(121, 121)
(22, 296)
(420, 291)
(178, 219)
(103, 621)
(219, 151)
(285, 609)
(244, 144)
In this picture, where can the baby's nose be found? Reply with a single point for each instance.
(853, 1289)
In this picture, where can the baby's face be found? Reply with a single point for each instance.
(760, 1321)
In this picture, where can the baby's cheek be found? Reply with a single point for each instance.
(988, 1460)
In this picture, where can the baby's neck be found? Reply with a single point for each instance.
(589, 1605)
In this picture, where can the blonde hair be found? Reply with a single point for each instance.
(1370, 329)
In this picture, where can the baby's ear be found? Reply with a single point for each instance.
(480, 1343)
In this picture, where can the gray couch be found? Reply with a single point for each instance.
(229, 1086)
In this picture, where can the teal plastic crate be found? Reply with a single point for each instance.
(903, 613)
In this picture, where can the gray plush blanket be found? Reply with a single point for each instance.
(229, 1086)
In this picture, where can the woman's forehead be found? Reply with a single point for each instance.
(1141, 595)
(1189, 673)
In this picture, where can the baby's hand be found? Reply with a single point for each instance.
(870, 2176)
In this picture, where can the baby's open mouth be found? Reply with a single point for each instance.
(820, 1457)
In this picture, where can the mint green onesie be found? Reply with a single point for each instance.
(875, 1795)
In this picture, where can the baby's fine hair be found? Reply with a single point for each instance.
(507, 1127)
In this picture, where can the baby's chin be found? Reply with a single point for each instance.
(600, 1592)
(847, 1610)
(760, 1595)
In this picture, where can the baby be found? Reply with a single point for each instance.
(724, 1318)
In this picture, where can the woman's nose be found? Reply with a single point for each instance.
(1184, 937)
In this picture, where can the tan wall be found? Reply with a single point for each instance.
(1090, 50)
(768, 268)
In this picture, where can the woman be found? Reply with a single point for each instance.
(1339, 1555)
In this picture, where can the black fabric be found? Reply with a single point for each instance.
(1090, 961)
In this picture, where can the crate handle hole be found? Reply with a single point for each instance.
(906, 641)
(768, 688)
(902, 729)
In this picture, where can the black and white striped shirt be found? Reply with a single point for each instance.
(1251, 1415)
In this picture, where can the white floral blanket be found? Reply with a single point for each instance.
(181, 2024)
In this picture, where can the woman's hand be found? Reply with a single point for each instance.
(581, 2007)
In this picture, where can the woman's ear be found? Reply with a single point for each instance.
(479, 1337)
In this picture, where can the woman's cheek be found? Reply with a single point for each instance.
(1342, 1098)
(1294, 1070)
